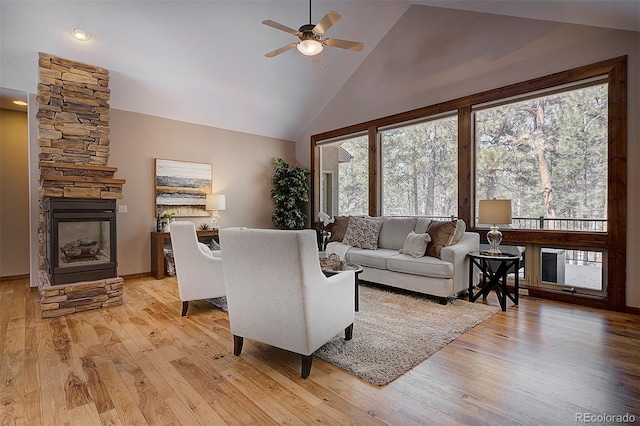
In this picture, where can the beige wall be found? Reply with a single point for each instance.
(433, 55)
(14, 194)
(242, 166)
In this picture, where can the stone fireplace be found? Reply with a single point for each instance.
(77, 226)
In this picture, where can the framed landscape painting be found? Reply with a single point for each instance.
(181, 187)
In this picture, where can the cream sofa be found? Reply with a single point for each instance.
(442, 277)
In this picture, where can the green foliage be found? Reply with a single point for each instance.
(353, 178)
(290, 191)
(548, 155)
(420, 169)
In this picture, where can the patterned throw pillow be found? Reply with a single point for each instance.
(362, 233)
(416, 244)
(441, 234)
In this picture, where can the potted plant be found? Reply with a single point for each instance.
(290, 191)
(166, 218)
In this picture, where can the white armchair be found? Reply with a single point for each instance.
(198, 270)
(277, 294)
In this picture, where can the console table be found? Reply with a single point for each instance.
(158, 240)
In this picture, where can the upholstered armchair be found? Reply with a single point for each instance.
(198, 269)
(277, 294)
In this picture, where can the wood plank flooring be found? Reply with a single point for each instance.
(541, 363)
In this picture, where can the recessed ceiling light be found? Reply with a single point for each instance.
(80, 33)
(21, 103)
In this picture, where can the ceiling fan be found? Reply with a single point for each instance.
(311, 42)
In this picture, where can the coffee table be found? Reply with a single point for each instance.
(346, 266)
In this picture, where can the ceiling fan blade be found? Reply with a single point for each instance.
(326, 22)
(281, 50)
(344, 44)
(281, 27)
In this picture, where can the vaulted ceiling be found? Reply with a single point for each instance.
(203, 61)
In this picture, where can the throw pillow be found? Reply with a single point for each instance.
(415, 245)
(339, 227)
(441, 234)
(362, 233)
(214, 245)
(460, 228)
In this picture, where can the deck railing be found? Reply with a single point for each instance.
(572, 256)
(547, 223)
(561, 224)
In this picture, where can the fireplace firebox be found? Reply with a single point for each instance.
(80, 240)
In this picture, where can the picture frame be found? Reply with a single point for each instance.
(181, 187)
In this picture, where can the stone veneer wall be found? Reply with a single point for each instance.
(73, 140)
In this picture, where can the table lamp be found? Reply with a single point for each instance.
(215, 203)
(494, 213)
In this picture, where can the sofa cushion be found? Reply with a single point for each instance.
(415, 245)
(395, 230)
(371, 258)
(442, 234)
(421, 225)
(362, 233)
(339, 227)
(425, 266)
(460, 228)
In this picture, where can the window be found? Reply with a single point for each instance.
(549, 156)
(555, 145)
(419, 164)
(345, 177)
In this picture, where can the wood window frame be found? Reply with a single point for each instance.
(614, 241)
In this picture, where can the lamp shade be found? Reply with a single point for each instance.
(215, 202)
(494, 212)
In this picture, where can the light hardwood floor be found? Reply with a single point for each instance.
(141, 363)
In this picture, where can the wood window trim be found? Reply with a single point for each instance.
(615, 240)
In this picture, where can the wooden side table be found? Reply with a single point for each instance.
(494, 278)
(158, 240)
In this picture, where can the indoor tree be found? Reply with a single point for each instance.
(290, 191)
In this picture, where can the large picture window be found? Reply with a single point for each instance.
(419, 165)
(548, 155)
(554, 145)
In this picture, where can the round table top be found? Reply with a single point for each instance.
(344, 266)
(487, 255)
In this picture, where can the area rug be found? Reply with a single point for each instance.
(394, 332)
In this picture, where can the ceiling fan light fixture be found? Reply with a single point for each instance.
(310, 47)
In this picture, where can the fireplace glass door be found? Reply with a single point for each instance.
(81, 240)
(83, 243)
